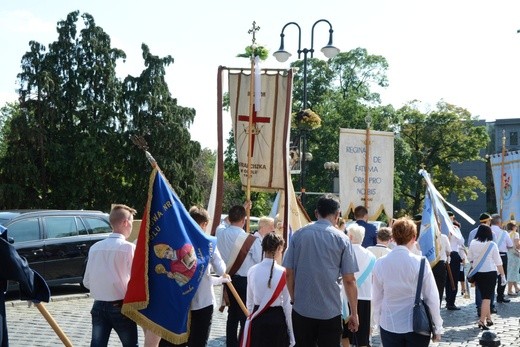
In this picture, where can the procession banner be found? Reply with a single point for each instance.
(171, 257)
(270, 127)
(352, 171)
(507, 184)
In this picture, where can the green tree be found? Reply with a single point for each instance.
(68, 145)
(433, 141)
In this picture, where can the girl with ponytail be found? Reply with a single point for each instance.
(268, 299)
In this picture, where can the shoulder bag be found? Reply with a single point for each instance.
(422, 318)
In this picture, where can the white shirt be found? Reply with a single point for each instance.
(445, 247)
(498, 234)
(108, 268)
(393, 291)
(476, 248)
(204, 296)
(226, 243)
(257, 279)
(456, 244)
(379, 250)
(363, 257)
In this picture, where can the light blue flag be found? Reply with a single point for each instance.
(427, 234)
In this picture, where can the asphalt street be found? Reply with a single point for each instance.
(27, 327)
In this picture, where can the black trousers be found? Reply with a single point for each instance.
(410, 339)
(500, 288)
(200, 324)
(310, 332)
(454, 265)
(235, 314)
(439, 273)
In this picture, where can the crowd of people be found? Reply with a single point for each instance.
(328, 286)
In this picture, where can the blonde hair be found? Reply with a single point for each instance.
(265, 222)
(356, 233)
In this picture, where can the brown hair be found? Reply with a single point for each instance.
(199, 214)
(384, 234)
(403, 230)
(120, 213)
(270, 244)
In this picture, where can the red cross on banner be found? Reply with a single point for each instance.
(255, 130)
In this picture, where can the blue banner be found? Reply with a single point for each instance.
(428, 227)
(172, 255)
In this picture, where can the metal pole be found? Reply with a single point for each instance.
(303, 133)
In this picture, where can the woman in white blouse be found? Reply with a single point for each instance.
(268, 300)
(485, 278)
(393, 291)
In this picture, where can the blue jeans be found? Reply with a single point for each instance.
(106, 315)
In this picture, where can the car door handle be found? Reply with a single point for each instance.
(83, 245)
(39, 250)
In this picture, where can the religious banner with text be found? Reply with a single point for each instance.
(269, 127)
(361, 177)
(506, 178)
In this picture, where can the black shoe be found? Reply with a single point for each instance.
(452, 308)
(493, 310)
(503, 300)
(482, 326)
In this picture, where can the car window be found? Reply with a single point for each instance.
(97, 225)
(24, 230)
(57, 227)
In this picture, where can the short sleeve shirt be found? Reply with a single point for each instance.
(319, 255)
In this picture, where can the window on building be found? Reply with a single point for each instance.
(513, 138)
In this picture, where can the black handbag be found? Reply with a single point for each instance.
(422, 318)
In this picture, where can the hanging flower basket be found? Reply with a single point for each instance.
(306, 120)
(255, 51)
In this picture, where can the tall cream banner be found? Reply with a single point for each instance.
(353, 168)
(270, 128)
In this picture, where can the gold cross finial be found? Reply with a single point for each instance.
(253, 31)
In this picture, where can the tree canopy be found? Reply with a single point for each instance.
(68, 141)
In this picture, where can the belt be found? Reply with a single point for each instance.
(115, 302)
(502, 253)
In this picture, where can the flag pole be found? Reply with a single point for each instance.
(64, 339)
(502, 171)
(250, 131)
(368, 120)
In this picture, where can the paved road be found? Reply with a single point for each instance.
(28, 328)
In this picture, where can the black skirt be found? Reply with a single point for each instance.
(486, 282)
(270, 329)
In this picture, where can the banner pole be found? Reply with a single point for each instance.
(237, 298)
(502, 172)
(54, 325)
(368, 120)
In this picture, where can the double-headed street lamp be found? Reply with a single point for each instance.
(282, 56)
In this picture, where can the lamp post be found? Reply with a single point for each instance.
(333, 167)
(282, 56)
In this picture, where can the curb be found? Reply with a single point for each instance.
(53, 299)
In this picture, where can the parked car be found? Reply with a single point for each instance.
(56, 242)
(253, 222)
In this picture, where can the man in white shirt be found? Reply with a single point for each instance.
(232, 243)
(384, 236)
(107, 275)
(503, 241)
(454, 267)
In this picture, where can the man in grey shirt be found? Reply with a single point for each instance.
(317, 256)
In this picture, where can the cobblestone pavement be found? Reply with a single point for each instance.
(27, 327)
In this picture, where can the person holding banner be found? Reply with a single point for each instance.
(485, 261)
(361, 216)
(107, 275)
(366, 261)
(455, 261)
(239, 251)
(504, 243)
(319, 254)
(268, 299)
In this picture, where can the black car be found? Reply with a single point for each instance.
(56, 242)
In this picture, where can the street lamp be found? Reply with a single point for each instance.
(333, 167)
(282, 56)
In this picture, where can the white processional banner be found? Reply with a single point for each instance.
(507, 184)
(270, 128)
(353, 168)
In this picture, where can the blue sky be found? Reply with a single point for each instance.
(466, 52)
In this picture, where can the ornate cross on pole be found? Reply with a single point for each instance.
(253, 31)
